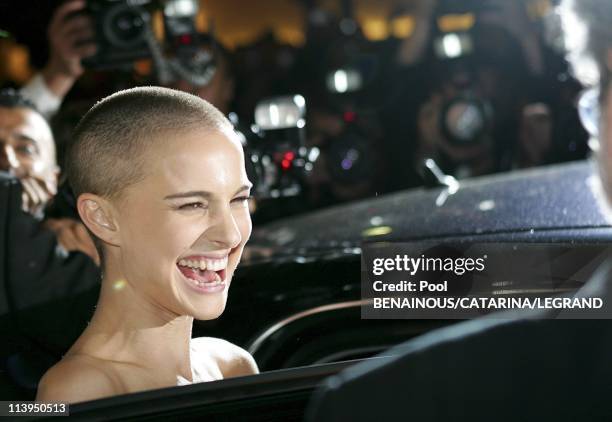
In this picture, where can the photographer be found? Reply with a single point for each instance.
(490, 87)
(39, 276)
(28, 153)
(69, 35)
(477, 96)
(219, 91)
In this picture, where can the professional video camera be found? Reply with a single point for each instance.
(277, 159)
(124, 33)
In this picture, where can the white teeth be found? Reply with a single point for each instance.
(210, 284)
(205, 264)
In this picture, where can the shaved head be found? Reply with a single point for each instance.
(107, 151)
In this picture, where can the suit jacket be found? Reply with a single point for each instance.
(512, 369)
(46, 295)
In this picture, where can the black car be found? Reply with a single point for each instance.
(296, 303)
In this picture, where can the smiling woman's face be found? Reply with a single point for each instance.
(183, 228)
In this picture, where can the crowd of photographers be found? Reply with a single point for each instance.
(492, 97)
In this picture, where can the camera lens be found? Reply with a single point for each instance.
(124, 25)
(465, 119)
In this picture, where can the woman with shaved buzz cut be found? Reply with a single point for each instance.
(162, 187)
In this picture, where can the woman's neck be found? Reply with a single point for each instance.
(130, 327)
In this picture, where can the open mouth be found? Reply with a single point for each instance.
(204, 272)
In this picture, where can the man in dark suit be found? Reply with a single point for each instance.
(520, 367)
(46, 292)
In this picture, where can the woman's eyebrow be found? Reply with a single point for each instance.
(202, 193)
(189, 194)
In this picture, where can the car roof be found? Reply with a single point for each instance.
(547, 198)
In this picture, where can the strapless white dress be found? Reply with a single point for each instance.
(199, 373)
(182, 381)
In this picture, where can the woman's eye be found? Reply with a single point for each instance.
(242, 199)
(192, 206)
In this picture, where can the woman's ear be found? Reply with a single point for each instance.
(96, 213)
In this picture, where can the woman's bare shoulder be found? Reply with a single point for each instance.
(233, 360)
(76, 379)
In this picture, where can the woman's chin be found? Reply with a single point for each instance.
(212, 312)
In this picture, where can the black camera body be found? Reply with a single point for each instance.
(276, 157)
(124, 34)
(276, 161)
(122, 28)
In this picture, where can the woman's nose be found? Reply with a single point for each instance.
(224, 230)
